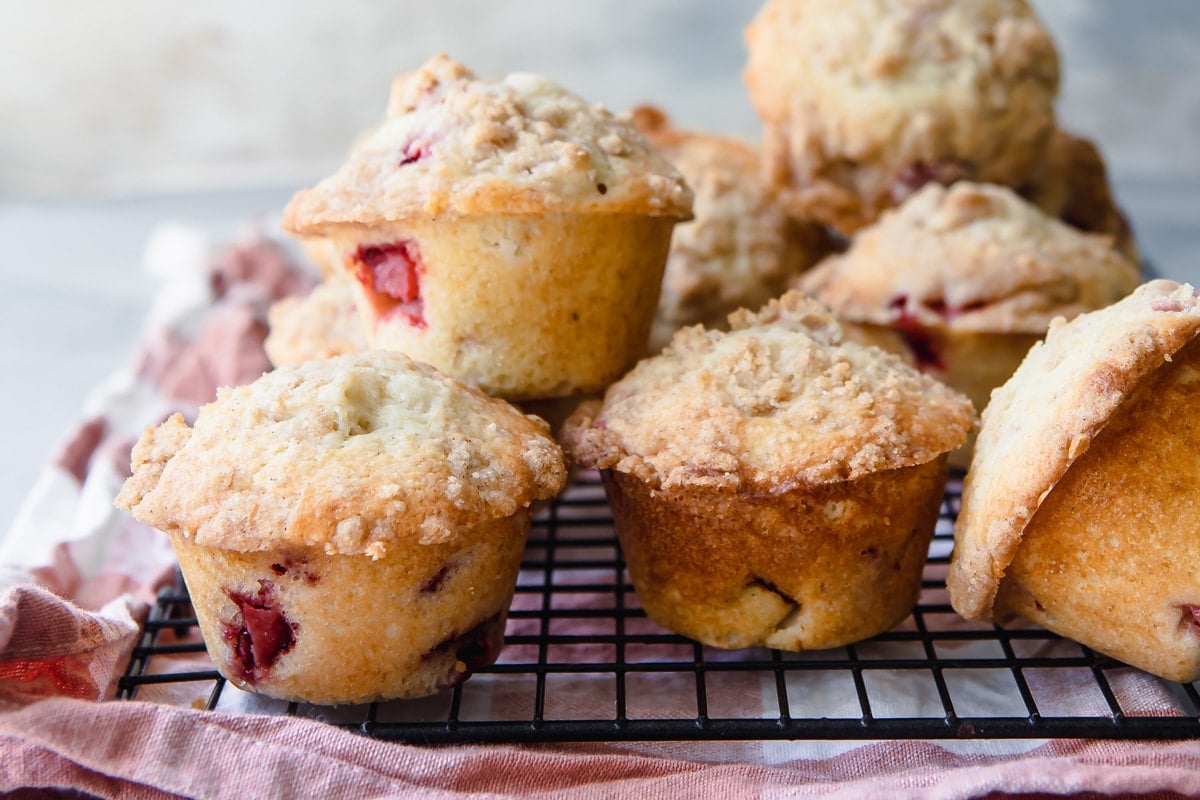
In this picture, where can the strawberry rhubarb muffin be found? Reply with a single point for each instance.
(962, 280)
(865, 101)
(1079, 509)
(349, 529)
(773, 485)
(507, 232)
(742, 247)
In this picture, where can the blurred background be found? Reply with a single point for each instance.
(128, 96)
(118, 116)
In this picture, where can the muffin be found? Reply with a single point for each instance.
(349, 529)
(323, 324)
(865, 101)
(506, 232)
(1079, 509)
(962, 280)
(773, 485)
(742, 247)
(1073, 185)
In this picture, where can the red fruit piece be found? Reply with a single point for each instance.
(938, 306)
(1190, 616)
(434, 582)
(473, 650)
(391, 274)
(414, 151)
(923, 345)
(259, 634)
(913, 176)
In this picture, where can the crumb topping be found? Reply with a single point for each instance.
(865, 99)
(742, 246)
(453, 144)
(779, 401)
(349, 454)
(971, 257)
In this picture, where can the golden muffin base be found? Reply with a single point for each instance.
(406, 625)
(524, 306)
(810, 568)
(1110, 558)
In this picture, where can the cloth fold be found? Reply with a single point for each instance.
(146, 750)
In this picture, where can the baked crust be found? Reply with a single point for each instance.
(741, 248)
(1108, 558)
(1073, 185)
(416, 621)
(354, 455)
(1046, 416)
(454, 145)
(863, 101)
(777, 402)
(970, 258)
(526, 306)
(810, 568)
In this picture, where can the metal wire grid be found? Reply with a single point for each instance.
(583, 663)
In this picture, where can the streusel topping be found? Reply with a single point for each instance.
(777, 402)
(349, 454)
(454, 144)
(971, 257)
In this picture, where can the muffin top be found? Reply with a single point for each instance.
(778, 402)
(970, 257)
(322, 324)
(875, 97)
(453, 145)
(741, 247)
(1047, 415)
(1073, 186)
(352, 454)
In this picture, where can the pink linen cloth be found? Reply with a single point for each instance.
(76, 578)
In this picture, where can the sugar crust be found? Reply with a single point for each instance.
(518, 145)
(353, 455)
(1045, 417)
(742, 246)
(778, 402)
(971, 257)
(853, 93)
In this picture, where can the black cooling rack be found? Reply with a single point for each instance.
(583, 663)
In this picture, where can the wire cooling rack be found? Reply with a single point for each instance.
(583, 663)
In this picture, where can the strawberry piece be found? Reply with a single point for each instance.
(923, 345)
(413, 152)
(911, 177)
(1190, 616)
(391, 274)
(259, 634)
